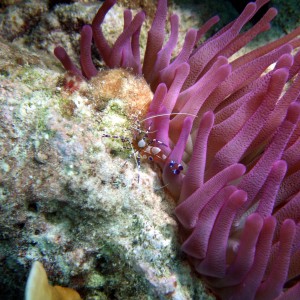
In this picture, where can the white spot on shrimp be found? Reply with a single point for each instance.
(142, 143)
(155, 150)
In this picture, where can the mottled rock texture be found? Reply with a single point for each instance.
(68, 197)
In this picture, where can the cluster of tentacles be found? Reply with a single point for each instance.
(235, 128)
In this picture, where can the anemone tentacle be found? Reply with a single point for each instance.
(231, 136)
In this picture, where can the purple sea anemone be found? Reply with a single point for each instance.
(231, 136)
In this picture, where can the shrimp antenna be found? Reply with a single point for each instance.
(143, 131)
(172, 114)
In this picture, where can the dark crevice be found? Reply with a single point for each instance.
(53, 3)
(239, 5)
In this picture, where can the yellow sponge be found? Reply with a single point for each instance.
(38, 288)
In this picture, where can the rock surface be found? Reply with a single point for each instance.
(68, 197)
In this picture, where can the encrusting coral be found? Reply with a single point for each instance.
(230, 132)
(38, 288)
